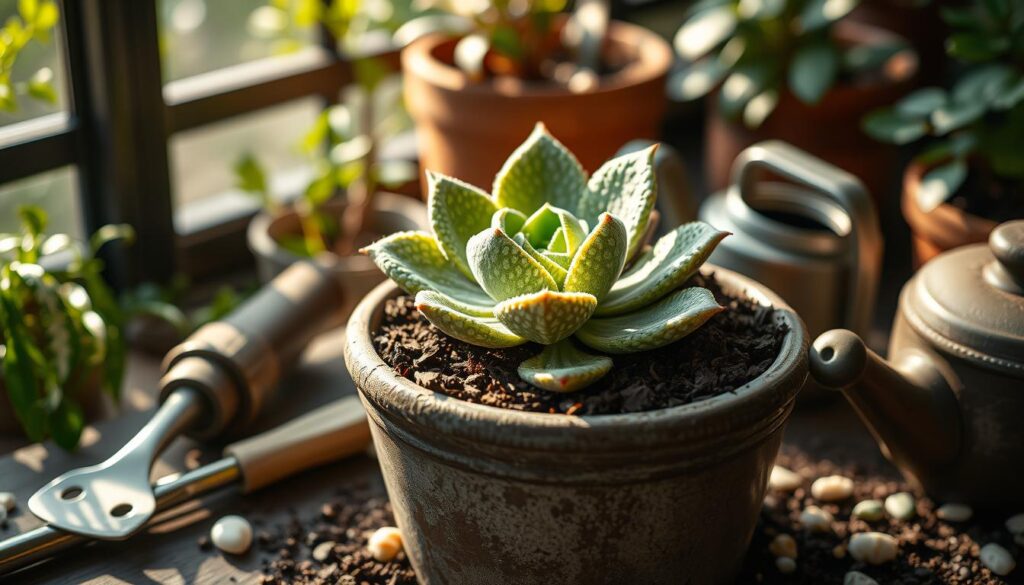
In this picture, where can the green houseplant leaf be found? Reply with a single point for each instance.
(562, 367)
(814, 69)
(546, 316)
(503, 268)
(460, 321)
(458, 211)
(540, 171)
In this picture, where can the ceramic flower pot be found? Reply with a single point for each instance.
(943, 228)
(829, 130)
(489, 495)
(392, 213)
(467, 129)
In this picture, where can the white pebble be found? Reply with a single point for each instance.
(815, 519)
(385, 543)
(869, 510)
(232, 534)
(997, 559)
(873, 548)
(954, 512)
(783, 545)
(1015, 524)
(784, 480)
(858, 578)
(832, 488)
(322, 551)
(8, 501)
(900, 506)
(785, 565)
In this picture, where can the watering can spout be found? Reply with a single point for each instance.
(908, 405)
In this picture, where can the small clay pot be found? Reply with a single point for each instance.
(466, 129)
(490, 495)
(943, 228)
(829, 130)
(357, 273)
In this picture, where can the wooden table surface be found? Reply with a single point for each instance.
(168, 553)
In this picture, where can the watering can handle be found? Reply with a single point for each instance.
(843, 188)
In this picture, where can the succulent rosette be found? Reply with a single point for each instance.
(551, 255)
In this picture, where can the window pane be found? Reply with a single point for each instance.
(198, 36)
(31, 61)
(55, 191)
(203, 160)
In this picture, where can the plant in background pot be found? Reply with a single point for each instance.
(970, 176)
(654, 394)
(793, 70)
(60, 330)
(34, 22)
(474, 97)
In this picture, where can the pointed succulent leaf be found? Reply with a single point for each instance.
(557, 242)
(547, 316)
(415, 262)
(554, 268)
(625, 187)
(540, 171)
(573, 233)
(675, 257)
(508, 220)
(458, 211)
(561, 258)
(541, 225)
(653, 326)
(452, 317)
(503, 268)
(563, 367)
(599, 261)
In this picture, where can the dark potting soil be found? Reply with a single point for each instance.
(991, 197)
(731, 349)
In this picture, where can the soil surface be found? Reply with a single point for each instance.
(731, 349)
(991, 197)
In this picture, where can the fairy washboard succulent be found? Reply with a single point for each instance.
(542, 259)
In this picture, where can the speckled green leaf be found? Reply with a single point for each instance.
(653, 326)
(458, 211)
(561, 258)
(554, 268)
(541, 225)
(504, 269)
(546, 316)
(675, 257)
(456, 320)
(563, 367)
(508, 220)
(625, 187)
(415, 262)
(599, 260)
(540, 171)
(557, 243)
(573, 233)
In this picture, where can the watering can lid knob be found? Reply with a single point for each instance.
(1007, 243)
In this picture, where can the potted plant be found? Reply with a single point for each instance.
(560, 402)
(473, 97)
(970, 177)
(793, 70)
(60, 331)
(34, 22)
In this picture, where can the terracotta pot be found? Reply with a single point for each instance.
(944, 228)
(829, 130)
(490, 495)
(467, 129)
(357, 273)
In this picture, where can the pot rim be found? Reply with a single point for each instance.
(753, 410)
(653, 60)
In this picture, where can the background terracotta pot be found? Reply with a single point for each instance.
(467, 129)
(358, 274)
(489, 495)
(829, 130)
(944, 228)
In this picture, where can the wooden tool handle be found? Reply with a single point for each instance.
(236, 362)
(327, 434)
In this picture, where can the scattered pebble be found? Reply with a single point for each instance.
(783, 545)
(8, 501)
(232, 534)
(323, 550)
(1015, 524)
(815, 519)
(900, 506)
(954, 512)
(833, 488)
(784, 480)
(869, 510)
(785, 565)
(858, 578)
(874, 548)
(385, 543)
(997, 559)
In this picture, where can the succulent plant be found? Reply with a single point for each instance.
(551, 255)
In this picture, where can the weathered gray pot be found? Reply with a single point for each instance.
(488, 495)
(358, 274)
